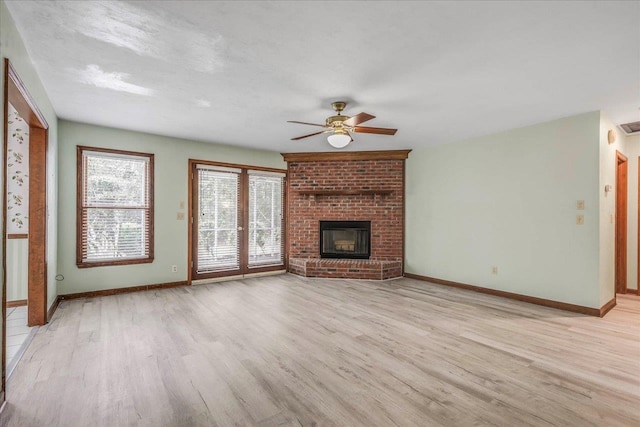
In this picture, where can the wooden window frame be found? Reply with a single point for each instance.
(79, 207)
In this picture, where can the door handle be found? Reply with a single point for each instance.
(240, 228)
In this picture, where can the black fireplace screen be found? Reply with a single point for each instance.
(345, 239)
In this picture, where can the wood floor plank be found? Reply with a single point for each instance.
(284, 350)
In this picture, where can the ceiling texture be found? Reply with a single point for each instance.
(235, 72)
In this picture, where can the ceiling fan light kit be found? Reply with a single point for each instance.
(339, 140)
(339, 126)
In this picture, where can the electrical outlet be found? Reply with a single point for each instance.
(580, 205)
(494, 270)
(180, 216)
(579, 219)
(174, 268)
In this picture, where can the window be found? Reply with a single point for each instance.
(265, 218)
(115, 207)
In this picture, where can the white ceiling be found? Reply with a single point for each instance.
(235, 72)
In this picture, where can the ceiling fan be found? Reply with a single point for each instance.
(340, 126)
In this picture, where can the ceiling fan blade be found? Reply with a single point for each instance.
(311, 134)
(358, 118)
(379, 131)
(305, 123)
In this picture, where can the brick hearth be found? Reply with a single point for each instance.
(362, 186)
(345, 268)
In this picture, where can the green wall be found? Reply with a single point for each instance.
(12, 47)
(171, 187)
(607, 176)
(505, 200)
(509, 200)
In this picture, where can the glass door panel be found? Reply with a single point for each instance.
(218, 242)
(266, 245)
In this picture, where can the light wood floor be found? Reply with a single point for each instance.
(284, 350)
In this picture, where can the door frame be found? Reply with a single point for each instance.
(638, 232)
(191, 241)
(16, 93)
(620, 239)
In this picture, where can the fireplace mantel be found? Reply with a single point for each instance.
(346, 156)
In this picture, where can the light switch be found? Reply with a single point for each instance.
(579, 219)
(181, 205)
(180, 215)
(580, 205)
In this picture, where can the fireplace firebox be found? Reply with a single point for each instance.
(345, 239)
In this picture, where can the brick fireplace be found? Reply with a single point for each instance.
(361, 187)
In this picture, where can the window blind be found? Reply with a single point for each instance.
(218, 245)
(116, 207)
(266, 200)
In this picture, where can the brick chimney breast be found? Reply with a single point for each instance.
(337, 188)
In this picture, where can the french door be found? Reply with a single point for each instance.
(237, 220)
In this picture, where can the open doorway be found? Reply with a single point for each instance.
(18, 332)
(25, 167)
(621, 224)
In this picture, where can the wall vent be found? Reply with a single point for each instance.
(631, 128)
